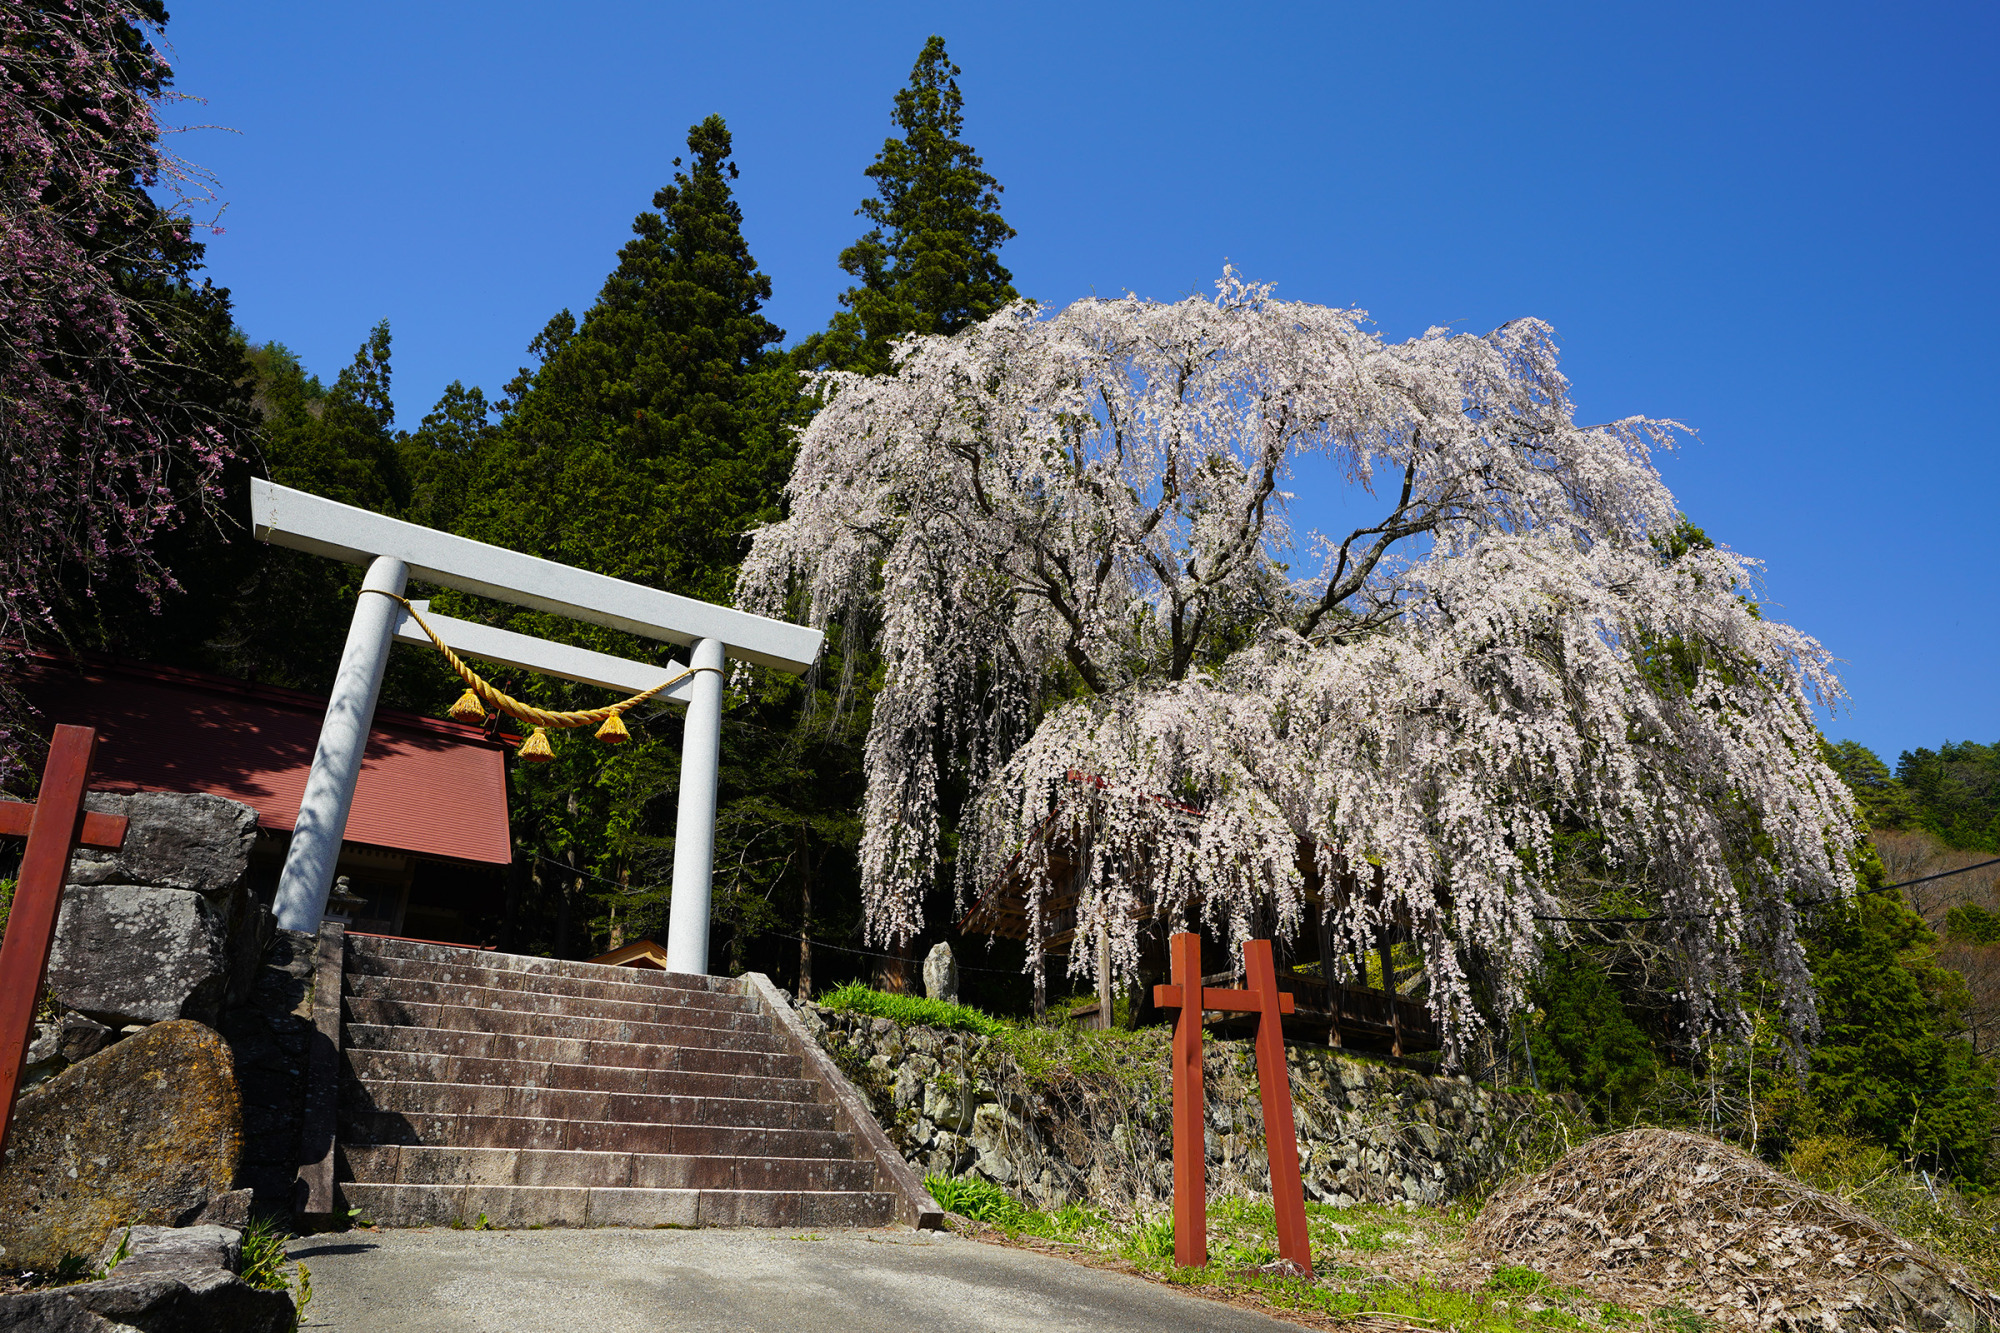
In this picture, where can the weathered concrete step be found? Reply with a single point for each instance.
(360, 947)
(668, 1031)
(727, 1054)
(700, 1013)
(395, 1164)
(441, 1130)
(439, 1067)
(526, 1205)
(473, 1099)
(616, 987)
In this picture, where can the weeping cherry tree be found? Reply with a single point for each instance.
(1070, 536)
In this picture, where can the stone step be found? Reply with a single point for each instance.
(473, 1099)
(668, 1031)
(729, 1056)
(445, 1130)
(528, 1205)
(701, 1013)
(361, 947)
(607, 988)
(395, 1164)
(439, 1067)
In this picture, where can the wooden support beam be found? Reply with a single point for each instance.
(56, 825)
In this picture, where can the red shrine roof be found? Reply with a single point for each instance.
(435, 789)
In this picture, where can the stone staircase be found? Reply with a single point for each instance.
(539, 1092)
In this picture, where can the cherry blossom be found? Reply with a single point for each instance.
(1071, 534)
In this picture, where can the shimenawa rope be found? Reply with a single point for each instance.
(535, 749)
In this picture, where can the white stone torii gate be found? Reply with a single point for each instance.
(395, 552)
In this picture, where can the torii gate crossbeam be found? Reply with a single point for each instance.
(395, 552)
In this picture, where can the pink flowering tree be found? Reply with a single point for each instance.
(100, 446)
(1071, 533)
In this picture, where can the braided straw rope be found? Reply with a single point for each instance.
(506, 703)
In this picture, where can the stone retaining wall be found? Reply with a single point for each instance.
(955, 1103)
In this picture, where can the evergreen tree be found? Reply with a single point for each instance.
(1956, 790)
(1587, 1042)
(930, 264)
(646, 442)
(651, 438)
(1884, 801)
(1892, 1065)
(443, 457)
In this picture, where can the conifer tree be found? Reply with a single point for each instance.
(931, 263)
(647, 442)
(650, 438)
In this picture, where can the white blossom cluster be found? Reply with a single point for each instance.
(1070, 533)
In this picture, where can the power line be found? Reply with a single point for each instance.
(1710, 916)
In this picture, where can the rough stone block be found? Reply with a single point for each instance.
(175, 840)
(941, 973)
(143, 1132)
(127, 954)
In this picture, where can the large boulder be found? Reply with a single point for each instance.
(1659, 1217)
(129, 953)
(165, 1280)
(175, 840)
(145, 1131)
(166, 926)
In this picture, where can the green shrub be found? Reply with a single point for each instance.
(980, 1200)
(855, 998)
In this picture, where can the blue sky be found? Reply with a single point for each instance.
(1775, 223)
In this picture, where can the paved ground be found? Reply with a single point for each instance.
(609, 1281)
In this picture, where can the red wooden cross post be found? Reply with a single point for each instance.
(1274, 1083)
(55, 826)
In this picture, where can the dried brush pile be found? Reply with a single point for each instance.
(1655, 1217)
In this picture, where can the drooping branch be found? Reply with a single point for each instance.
(1099, 493)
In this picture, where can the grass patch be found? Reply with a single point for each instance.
(1242, 1238)
(264, 1262)
(1922, 1208)
(980, 1200)
(912, 1010)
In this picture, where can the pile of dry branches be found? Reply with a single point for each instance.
(1655, 1217)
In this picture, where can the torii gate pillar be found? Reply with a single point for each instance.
(694, 825)
(336, 761)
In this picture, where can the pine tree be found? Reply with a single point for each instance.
(930, 264)
(650, 438)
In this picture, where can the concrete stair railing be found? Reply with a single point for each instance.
(540, 1092)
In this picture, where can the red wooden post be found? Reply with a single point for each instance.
(55, 825)
(1274, 1084)
(1190, 1118)
(1188, 997)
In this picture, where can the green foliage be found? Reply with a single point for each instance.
(1915, 1205)
(1885, 803)
(1971, 924)
(980, 1200)
(1889, 1067)
(930, 264)
(1586, 1042)
(6, 902)
(651, 437)
(1956, 789)
(915, 1010)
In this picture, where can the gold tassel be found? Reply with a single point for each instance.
(468, 708)
(535, 749)
(613, 731)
